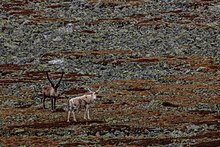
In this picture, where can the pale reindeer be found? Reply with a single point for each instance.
(82, 102)
(51, 92)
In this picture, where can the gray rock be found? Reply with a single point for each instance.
(19, 131)
(215, 8)
(177, 133)
(57, 61)
(201, 69)
(57, 39)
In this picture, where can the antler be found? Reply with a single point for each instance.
(89, 90)
(98, 89)
(58, 84)
(95, 91)
(49, 79)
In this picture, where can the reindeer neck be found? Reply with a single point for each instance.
(88, 98)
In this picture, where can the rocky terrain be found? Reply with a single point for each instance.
(158, 63)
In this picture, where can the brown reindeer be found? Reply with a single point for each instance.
(51, 92)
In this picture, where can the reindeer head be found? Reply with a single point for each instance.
(55, 87)
(93, 93)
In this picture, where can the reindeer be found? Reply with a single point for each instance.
(82, 102)
(51, 92)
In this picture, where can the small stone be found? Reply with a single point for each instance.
(97, 134)
(58, 38)
(188, 71)
(201, 69)
(58, 61)
(19, 131)
(215, 8)
(218, 37)
(107, 136)
(78, 18)
(69, 28)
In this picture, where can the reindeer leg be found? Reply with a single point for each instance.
(69, 111)
(68, 117)
(54, 103)
(74, 117)
(44, 101)
(86, 114)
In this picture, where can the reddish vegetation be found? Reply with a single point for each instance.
(138, 60)
(191, 17)
(49, 19)
(176, 11)
(23, 12)
(137, 16)
(18, 140)
(214, 143)
(84, 53)
(107, 20)
(5, 67)
(75, 91)
(12, 8)
(88, 31)
(200, 3)
(54, 6)
(56, 124)
(151, 20)
(168, 104)
(9, 5)
(16, 8)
